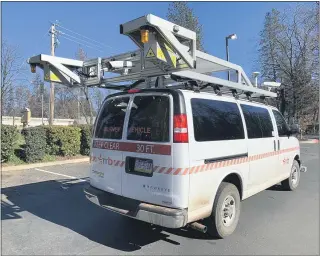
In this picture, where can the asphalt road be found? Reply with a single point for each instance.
(46, 213)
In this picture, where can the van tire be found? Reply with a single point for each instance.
(218, 225)
(293, 181)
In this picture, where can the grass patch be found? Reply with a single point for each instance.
(14, 160)
(20, 141)
(49, 158)
(61, 158)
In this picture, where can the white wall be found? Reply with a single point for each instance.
(8, 120)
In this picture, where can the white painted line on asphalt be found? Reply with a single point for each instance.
(304, 147)
(55, 173)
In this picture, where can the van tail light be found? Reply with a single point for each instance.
(180, 129)
(133, 90)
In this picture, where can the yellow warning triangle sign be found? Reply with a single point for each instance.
(150, 53)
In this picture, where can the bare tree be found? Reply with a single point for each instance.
(181, 14)
(11, 70)
(288, 53)
(82, 55)
(93, 96)
(35, 99)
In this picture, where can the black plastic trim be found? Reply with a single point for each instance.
(218, 159)
(132, 205)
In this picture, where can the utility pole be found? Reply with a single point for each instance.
(51, 116)
(42, 91)
(78, 104)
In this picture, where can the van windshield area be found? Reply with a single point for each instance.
(149, 119)
(111, 119)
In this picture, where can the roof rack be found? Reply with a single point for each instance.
(167, 57)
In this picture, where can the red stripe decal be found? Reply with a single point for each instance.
(169, 171)
(177, 171)
(192, 169)
(143, 148)
(161, 169)
(186, 171)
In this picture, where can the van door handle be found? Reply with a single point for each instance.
(278, 144)
(274, 145)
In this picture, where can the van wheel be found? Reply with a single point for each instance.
(292, 182)
(226, 211)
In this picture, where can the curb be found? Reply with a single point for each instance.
(314, 141)
(36, 165)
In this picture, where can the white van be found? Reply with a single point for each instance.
(178, 158)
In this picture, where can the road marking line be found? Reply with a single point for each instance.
(304, 147)
(309, 154)
(67, 176)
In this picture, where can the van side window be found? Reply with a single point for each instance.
(282, 125)
(111, 119)
(149, 119)
(258, 121)
(216, 120)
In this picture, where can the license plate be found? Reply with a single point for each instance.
(143, 166)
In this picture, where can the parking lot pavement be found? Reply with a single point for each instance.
(44, 211)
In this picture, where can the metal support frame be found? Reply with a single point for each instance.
(182, 43)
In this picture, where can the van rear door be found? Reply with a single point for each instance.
(106, 157)
(147, 149)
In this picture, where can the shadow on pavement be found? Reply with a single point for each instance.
(63, 203)
(276, 188)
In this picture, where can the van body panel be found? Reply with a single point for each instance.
(181, 179)
(168, 185)
(205, 178)
(105, 167)
(288, 146)
(262, 152)
(156, 188)
(106, 155)
(185, 176)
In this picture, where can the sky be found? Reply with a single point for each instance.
(25, 25)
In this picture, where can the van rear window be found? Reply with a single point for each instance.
(149, 119)
(111, 119)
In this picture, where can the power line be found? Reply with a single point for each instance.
(102, 44)
(78, 39)
(65, 37)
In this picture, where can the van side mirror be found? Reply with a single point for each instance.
(294, 129)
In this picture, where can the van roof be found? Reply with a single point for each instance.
(228, 96)
(186, 91)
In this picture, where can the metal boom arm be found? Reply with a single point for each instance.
(165, 49)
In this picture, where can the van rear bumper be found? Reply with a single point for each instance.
(154, 214)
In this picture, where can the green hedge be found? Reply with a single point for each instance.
(9, 135)
(63, 140)
(86, 134)
(35, 148)
(42, 140)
